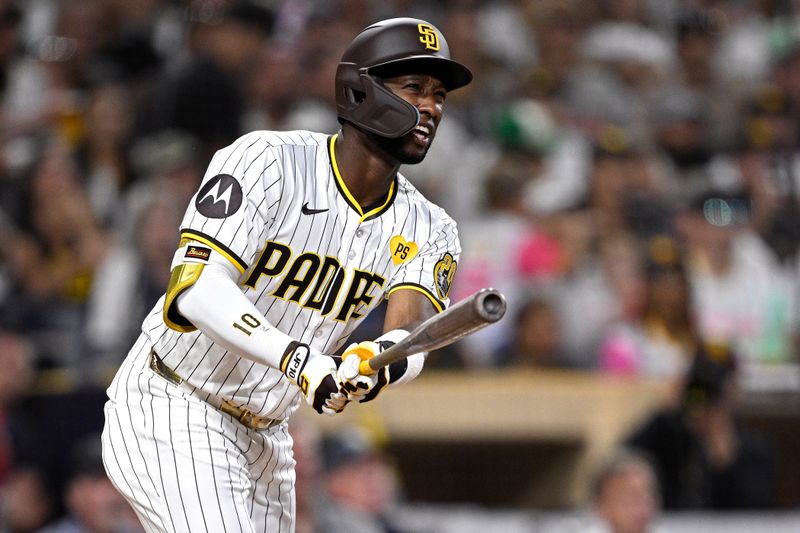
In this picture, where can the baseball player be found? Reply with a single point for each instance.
(291, 240)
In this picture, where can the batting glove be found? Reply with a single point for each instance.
(361, 388)
(315, 375)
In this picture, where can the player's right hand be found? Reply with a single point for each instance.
(315, 375)
(361, 388)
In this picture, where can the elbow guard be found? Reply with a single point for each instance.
(183, 276)
(187, 265)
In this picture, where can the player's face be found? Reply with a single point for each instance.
(427, 94)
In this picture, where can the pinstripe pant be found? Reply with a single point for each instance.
(187, 467)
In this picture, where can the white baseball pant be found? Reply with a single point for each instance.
(185, 466)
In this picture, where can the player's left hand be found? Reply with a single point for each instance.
(358, 387)
(315, 375)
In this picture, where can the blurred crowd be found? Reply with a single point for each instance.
(627, 172)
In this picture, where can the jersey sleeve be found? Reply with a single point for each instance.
(432, 269)
(236, 199)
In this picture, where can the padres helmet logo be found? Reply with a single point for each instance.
(428, 36)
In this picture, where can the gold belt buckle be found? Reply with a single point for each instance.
(245, 416)
(163, 370)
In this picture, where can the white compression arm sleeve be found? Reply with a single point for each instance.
(218, 308)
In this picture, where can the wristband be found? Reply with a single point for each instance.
(294, 360)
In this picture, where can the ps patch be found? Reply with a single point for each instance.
(402, 250)
(220, 197)
(197, 252)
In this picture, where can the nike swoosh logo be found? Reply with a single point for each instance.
(308, 211)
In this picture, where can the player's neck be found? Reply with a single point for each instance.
(365, 169)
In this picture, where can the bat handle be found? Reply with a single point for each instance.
(365, 369)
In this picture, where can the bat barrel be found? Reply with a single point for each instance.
(490, 305)
(467, 316)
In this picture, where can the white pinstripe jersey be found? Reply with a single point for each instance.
(310, 259)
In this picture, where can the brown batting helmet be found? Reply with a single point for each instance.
(391, 47)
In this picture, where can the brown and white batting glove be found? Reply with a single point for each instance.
(360, 387)
(315, 375)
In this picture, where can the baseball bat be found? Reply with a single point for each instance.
(475, 312)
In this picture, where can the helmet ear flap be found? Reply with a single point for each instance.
(364, 101)
(348, 85)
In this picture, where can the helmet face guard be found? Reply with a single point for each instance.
(361, 97)
(371, 106)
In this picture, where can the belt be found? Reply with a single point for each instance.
(246, 417)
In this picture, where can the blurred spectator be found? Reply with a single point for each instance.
(742, 55)
(318, 53)
(582, 294)
(504, 34)
(741, 295)
(536, 340)
(706, 458)
(558, 26)
(503, 249)
(361, 487)
(621, 258)
(763, 165)
(624, 193)
(557, 155)
(697, 34)
(681, 137)
(10, 16)
(660, 339)
(168, 162)
(632, 60)
(602, 283)
(103, 153)
(25, 501)
(272, 89)
(92, 503)
(17, 362)
(637, 54)
(42, 95)
(203, 91)
(786, 75)
(54, 264)
(625, 495)
(307, 450)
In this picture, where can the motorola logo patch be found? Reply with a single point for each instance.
(220, 197)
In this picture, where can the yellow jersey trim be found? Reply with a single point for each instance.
(216, 245)
(340, 184)
(439, 305)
